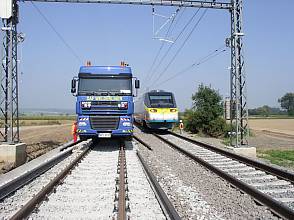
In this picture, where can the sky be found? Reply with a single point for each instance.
(108, 34)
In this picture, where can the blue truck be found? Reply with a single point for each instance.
(104, 103)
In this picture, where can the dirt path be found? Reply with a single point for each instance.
(264, 141)
(41, 139)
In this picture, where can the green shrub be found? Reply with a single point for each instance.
(206, 114)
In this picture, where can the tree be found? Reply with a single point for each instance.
(266, 111)
(287, 103)
(206, 113)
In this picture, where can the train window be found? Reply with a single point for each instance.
(161, 100)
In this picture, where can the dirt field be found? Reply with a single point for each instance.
(28, 122)
(41, 139)
(283, 126)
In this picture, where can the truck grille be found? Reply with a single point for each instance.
(104, 123)
(104, 105)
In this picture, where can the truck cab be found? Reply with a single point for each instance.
(104, 103)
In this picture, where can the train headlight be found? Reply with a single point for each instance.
(153, 110)
(123, 105)
(86, 104)
(173, 110)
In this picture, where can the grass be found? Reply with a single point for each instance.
(279, 157)
(226, 141)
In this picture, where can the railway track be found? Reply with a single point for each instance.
(105, 181)
(268, 185)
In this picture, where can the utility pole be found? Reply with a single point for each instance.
(9, 79)
(10, 149)
(239, 112)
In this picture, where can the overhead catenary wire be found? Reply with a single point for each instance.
(181, 47)
(161, 47)
(72, 51)
(170, 47)
(204, 59)
(177, 20)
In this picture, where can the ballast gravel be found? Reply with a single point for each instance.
(11, 204)
(266, 181)
(88, 192)
(143, 203)
(196, 192)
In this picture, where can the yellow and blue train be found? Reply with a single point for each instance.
(156, 109)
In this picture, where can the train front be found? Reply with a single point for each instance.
(161, 111)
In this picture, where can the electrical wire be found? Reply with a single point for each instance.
(57, 33)
(204, 59)
(177, 20)
(170, 47)
(161, 47)
(181, 47)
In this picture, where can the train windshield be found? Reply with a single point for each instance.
(161, 101)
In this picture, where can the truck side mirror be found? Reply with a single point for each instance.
(137, 84)
(73, 86)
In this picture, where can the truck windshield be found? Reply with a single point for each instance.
(161, 101)
(105, 86)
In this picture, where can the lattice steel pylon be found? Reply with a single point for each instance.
(9, 117)
(239, 111)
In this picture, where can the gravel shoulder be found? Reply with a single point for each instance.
(196, 192)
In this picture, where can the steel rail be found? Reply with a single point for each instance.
(27, 209)
(142, 142)
(179, 3)
(275, 206)
(69, 144)
(122, 193)
(168, 208)
(282, 174)
(22, 180)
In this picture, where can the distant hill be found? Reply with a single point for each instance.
(47, 111)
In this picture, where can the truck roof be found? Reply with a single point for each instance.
(106, 70)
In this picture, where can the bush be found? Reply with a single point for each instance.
(206, 114)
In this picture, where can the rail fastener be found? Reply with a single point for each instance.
(122, 194)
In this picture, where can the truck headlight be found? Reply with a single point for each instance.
(82, 123)
(123, 105)
(86, 104)
(127, 124)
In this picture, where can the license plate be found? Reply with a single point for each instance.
(104, 135)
